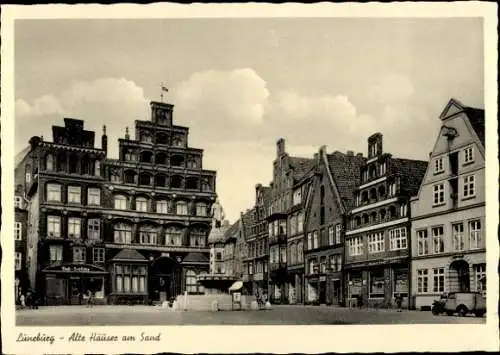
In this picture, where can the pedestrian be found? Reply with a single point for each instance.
(29, 299)
(36, 300)
(399, 301)
(90, 298)
(22, 300)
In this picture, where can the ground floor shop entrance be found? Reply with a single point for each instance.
(70, 284)
(165, 279)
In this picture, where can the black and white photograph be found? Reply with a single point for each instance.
(326, 170)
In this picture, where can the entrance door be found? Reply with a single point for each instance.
(459, 276)
(163, 287)
(336, 292)
(165, 279)
(322, 292)
(74, 295)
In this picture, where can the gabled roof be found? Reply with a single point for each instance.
(476, 119)
(129, 254)
(411, 173)
(346, 171)
(20, 156)
(300, 166)
(232, 230)
(195, 258)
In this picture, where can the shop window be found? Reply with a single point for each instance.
(56, 253)
(94, 229)
(147, 235)
(18, 231)
(53, 192)
(130, 278)
(400, 282)
(191, 282)
(74, 194)
(53, 226)
(377, 283)
(122, 233)
(79, 255)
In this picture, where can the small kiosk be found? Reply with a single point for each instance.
(235, 292)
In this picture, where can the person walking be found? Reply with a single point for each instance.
(90, 298)
(22, 301)
(399, 301)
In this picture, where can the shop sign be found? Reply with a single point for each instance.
(74, 268)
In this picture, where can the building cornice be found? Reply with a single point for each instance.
(448, 211)
(374, 205)
(377, 226)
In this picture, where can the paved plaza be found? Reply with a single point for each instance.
(278, 315)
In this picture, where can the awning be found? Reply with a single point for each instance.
(238, 285)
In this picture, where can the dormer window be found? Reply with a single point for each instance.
(438, 165)
(468, 155)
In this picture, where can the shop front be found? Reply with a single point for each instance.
(67, 284)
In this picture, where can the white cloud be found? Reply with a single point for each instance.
(394, 88)
(41, 106)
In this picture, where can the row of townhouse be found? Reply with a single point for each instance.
(132, 229)
(344, 228)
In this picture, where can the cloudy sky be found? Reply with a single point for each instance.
(240, 84)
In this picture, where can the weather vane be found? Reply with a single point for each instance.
(163, 89)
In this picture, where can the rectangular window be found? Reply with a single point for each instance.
(338, 230)
(19, 260)
(355, 246)
(18, 231)
(53, 226)
(201, 209)
(475, 238)
(403, 210)
(422, 281)
(331, 235)
(53, 192)
(18, 202)
(377, 284)
(438, 280)
(423, 242)
(74, 194)
(162, 206)
(397, 238)
(78, 254)
(468, 155)
(94, 229)
(300, 224)
(480, 277)
(309, 241)
(141, 205)
(94, 196)
(376, 242)
(392, 189)
(458, 237)
(438, 165)
(437, 239)
(74, 227)
(438, 194)
(56, 252)
(469, 186)
(98, 255)
(315, 239)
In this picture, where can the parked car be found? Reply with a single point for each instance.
(462, 303)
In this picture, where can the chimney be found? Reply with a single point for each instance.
(104, 140)
(359, 155)
(280, 147)
(350, 153)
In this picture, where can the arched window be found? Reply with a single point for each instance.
(373, 194)
(177, 160)
(192, 183)
(201, 209)
(373, 217)
(392, 211)
(160, 180)
(173, 236)
(178, 141)
(176, 182)
(130, 176)
(146, 156)
(205, 185)
(357, 221)
(372, 171)
(382, 214)
(122, 233)
(141, 204)
(147, 235)
(181, 208)
(192, 163)
(85, 165)
(49, 162)
(381, 191)
(145, 137)
(144, 179)
(366, 219)
(27, 174)
(61, 161)
(364, 197)
(97, 170)
(162, 206)
(120, 202)
(161, 158)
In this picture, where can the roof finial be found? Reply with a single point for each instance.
(127, 136)
(104, 129)
(163, 89)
